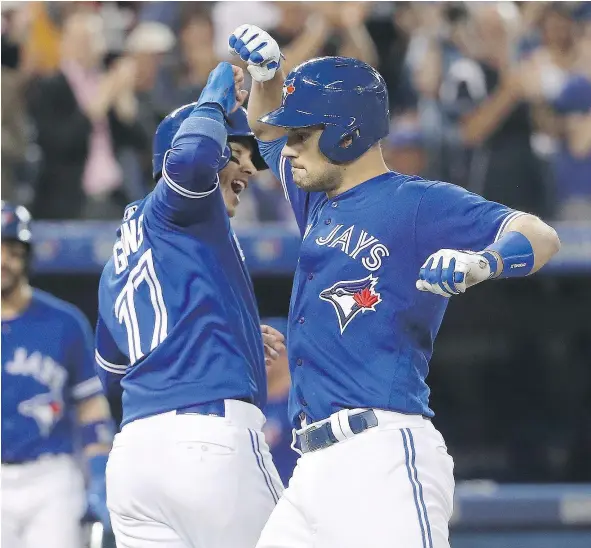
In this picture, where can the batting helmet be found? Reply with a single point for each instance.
(345, 96)
(236, 126)
(15, 224)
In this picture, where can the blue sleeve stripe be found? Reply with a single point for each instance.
(108, 366)
(208, 127)
(88, 388)
(183, 191)
(282, 163)
(506, 221)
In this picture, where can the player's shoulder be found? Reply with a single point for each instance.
(53, 307)
(434, 189)
(403, 188)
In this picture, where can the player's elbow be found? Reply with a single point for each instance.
(552, 240)
(185, 164)
(544, 239)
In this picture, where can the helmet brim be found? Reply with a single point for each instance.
(289, 118)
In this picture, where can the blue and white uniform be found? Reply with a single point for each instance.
(179, 337)
(361, 336)
(47, 368)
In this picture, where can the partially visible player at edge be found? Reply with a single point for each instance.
(381, 253)
(47, 378)
(179, 337)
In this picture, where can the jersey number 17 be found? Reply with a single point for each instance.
(125, 309)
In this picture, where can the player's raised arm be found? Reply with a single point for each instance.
(269, 93)
(187, 169)
(467, 240)
(259, 50)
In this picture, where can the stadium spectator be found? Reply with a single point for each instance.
(14, 134)
(306, 30)
(145, 49)
(83, 116)
(487, 123)
(184, 76)
(572, 162)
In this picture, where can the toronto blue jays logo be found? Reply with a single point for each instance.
(45, 408)
(288, 89)
(350, 297)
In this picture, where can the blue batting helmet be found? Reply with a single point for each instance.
(236, 125)
(344, 95)
(15, 223)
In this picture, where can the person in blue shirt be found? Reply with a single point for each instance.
(51, 405)
(179, 341)
(381, 254)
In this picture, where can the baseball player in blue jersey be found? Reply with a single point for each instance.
(381, 254)
(47, 378)
(178, 336)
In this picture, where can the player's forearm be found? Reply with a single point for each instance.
(96, 426)
(265, 97)
(193, 161)
(543, 238)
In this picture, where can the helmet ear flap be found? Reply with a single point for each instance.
(342, 147)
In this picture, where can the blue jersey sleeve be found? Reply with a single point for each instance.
(187, 192)
(450, 217)
(301, 201)
(84, 384)
(111, 365)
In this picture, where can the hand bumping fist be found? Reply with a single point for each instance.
(257, 49)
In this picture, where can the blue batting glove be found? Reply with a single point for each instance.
(220, 88)
(97, 490)
(450, 272)
(258, 49)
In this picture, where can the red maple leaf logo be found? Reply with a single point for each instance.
(290, 89)
(365, 299)
(56, 407)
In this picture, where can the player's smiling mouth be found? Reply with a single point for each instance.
(238, 185)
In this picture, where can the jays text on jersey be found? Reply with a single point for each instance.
(178, 322)
(360, 333)
(47, 365)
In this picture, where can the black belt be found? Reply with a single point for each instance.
(215, 408)
(322, 436)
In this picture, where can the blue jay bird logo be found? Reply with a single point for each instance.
(46, 409)
(350, 297)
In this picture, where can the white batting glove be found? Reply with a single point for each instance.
(449, 272)
(258, 49)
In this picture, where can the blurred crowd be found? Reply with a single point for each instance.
(492, 96)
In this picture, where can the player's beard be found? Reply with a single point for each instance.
(11, 281)
(329, 180)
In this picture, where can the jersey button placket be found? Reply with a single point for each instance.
(301, 320)
(299, 361)
(327, 221)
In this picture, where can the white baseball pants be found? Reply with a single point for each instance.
(42, 503)
(389, 486)
(179, 481)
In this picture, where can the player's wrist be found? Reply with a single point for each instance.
(511, 256)
(495, 263)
